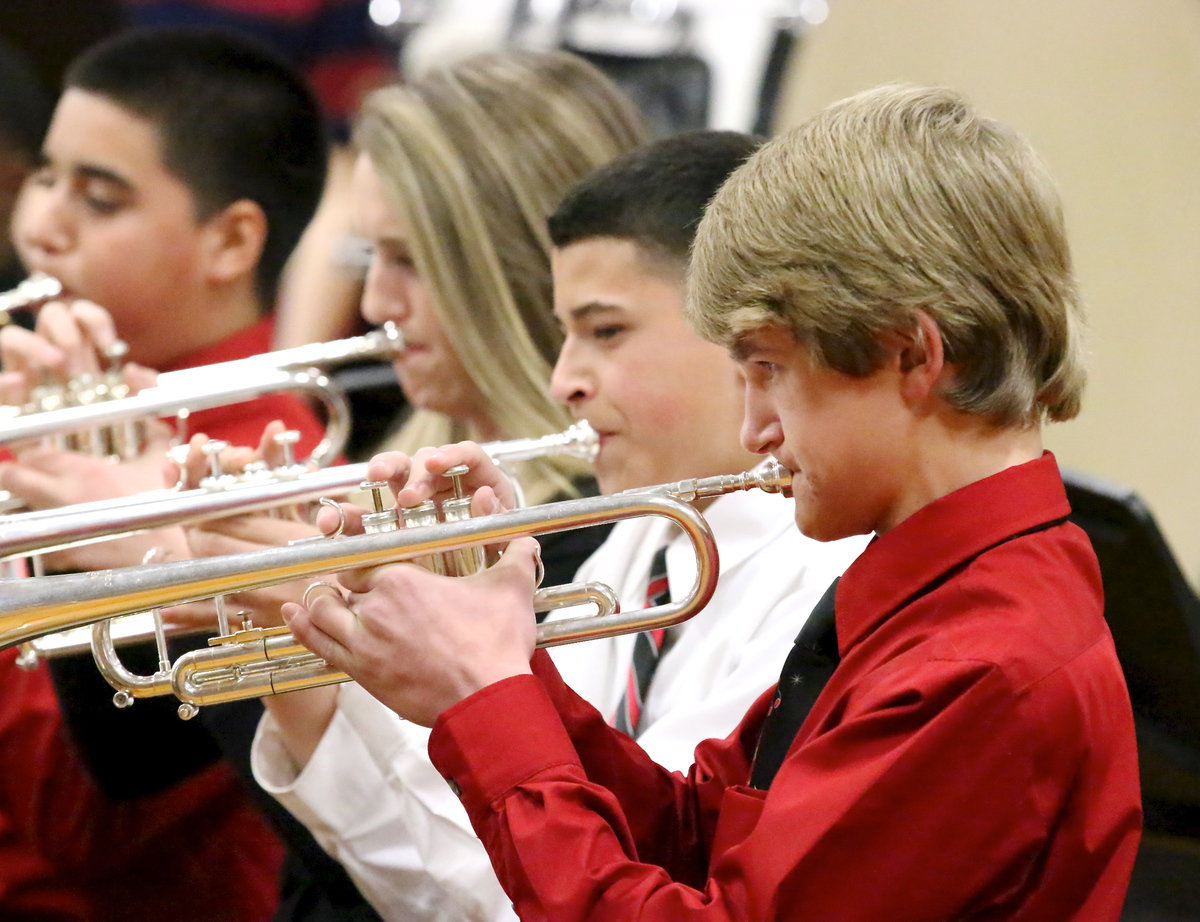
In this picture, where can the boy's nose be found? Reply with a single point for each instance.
(39, 224)
(569, 382)
(761, 432)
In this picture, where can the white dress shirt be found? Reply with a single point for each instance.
(372, 799)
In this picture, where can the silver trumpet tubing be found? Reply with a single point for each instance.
(105, 408)
(33, 532)
(252, 662)
(218, 496)
(32, 292)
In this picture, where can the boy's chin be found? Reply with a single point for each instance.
(813, 524)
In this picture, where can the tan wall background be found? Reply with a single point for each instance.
(1109, 93)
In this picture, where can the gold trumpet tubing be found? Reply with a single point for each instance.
(270, 661)
(234, 666)
(34, 290)
(127, 631)
(31, 532)
(100, 641)
(30, 608)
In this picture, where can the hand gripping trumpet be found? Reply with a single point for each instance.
(255, 662)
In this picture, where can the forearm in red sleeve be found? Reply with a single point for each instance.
(880, 817)
(674, 832)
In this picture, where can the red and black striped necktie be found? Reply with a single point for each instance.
(647, 649)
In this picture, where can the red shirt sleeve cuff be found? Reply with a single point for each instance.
(497, 738)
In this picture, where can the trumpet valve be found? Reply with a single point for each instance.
(466, 560)
(217, 479)
(287, 441)
(417, 516)
(380, 519)
(456, 474)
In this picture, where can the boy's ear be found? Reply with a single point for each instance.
(922, 358)
(235, 239)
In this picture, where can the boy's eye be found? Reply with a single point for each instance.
(100, 205)
(608, 331)
(100, 198)
(758, 373)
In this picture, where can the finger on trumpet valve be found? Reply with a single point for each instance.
(380, 518)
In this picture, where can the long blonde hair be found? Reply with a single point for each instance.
(475, 156)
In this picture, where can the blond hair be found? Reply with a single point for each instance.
(475, 156)
(898, 200)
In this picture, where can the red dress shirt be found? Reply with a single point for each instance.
(199, 850)
(972, 757)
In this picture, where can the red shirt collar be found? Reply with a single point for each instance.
(941, 536)
(252, 340)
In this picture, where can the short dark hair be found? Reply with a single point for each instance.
(235, 122)
(654, 196)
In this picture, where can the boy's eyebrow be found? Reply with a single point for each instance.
(591, 307)
(86, 171)
(741, 348)
(89, 171)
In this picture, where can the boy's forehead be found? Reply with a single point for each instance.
(622, 255)
(91, 129)
(611, 273)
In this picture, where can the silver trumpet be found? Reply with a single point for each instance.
(104, 412)
(224, 495)
(219, 495)
(252, 662)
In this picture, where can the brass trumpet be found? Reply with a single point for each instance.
(254, 662)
